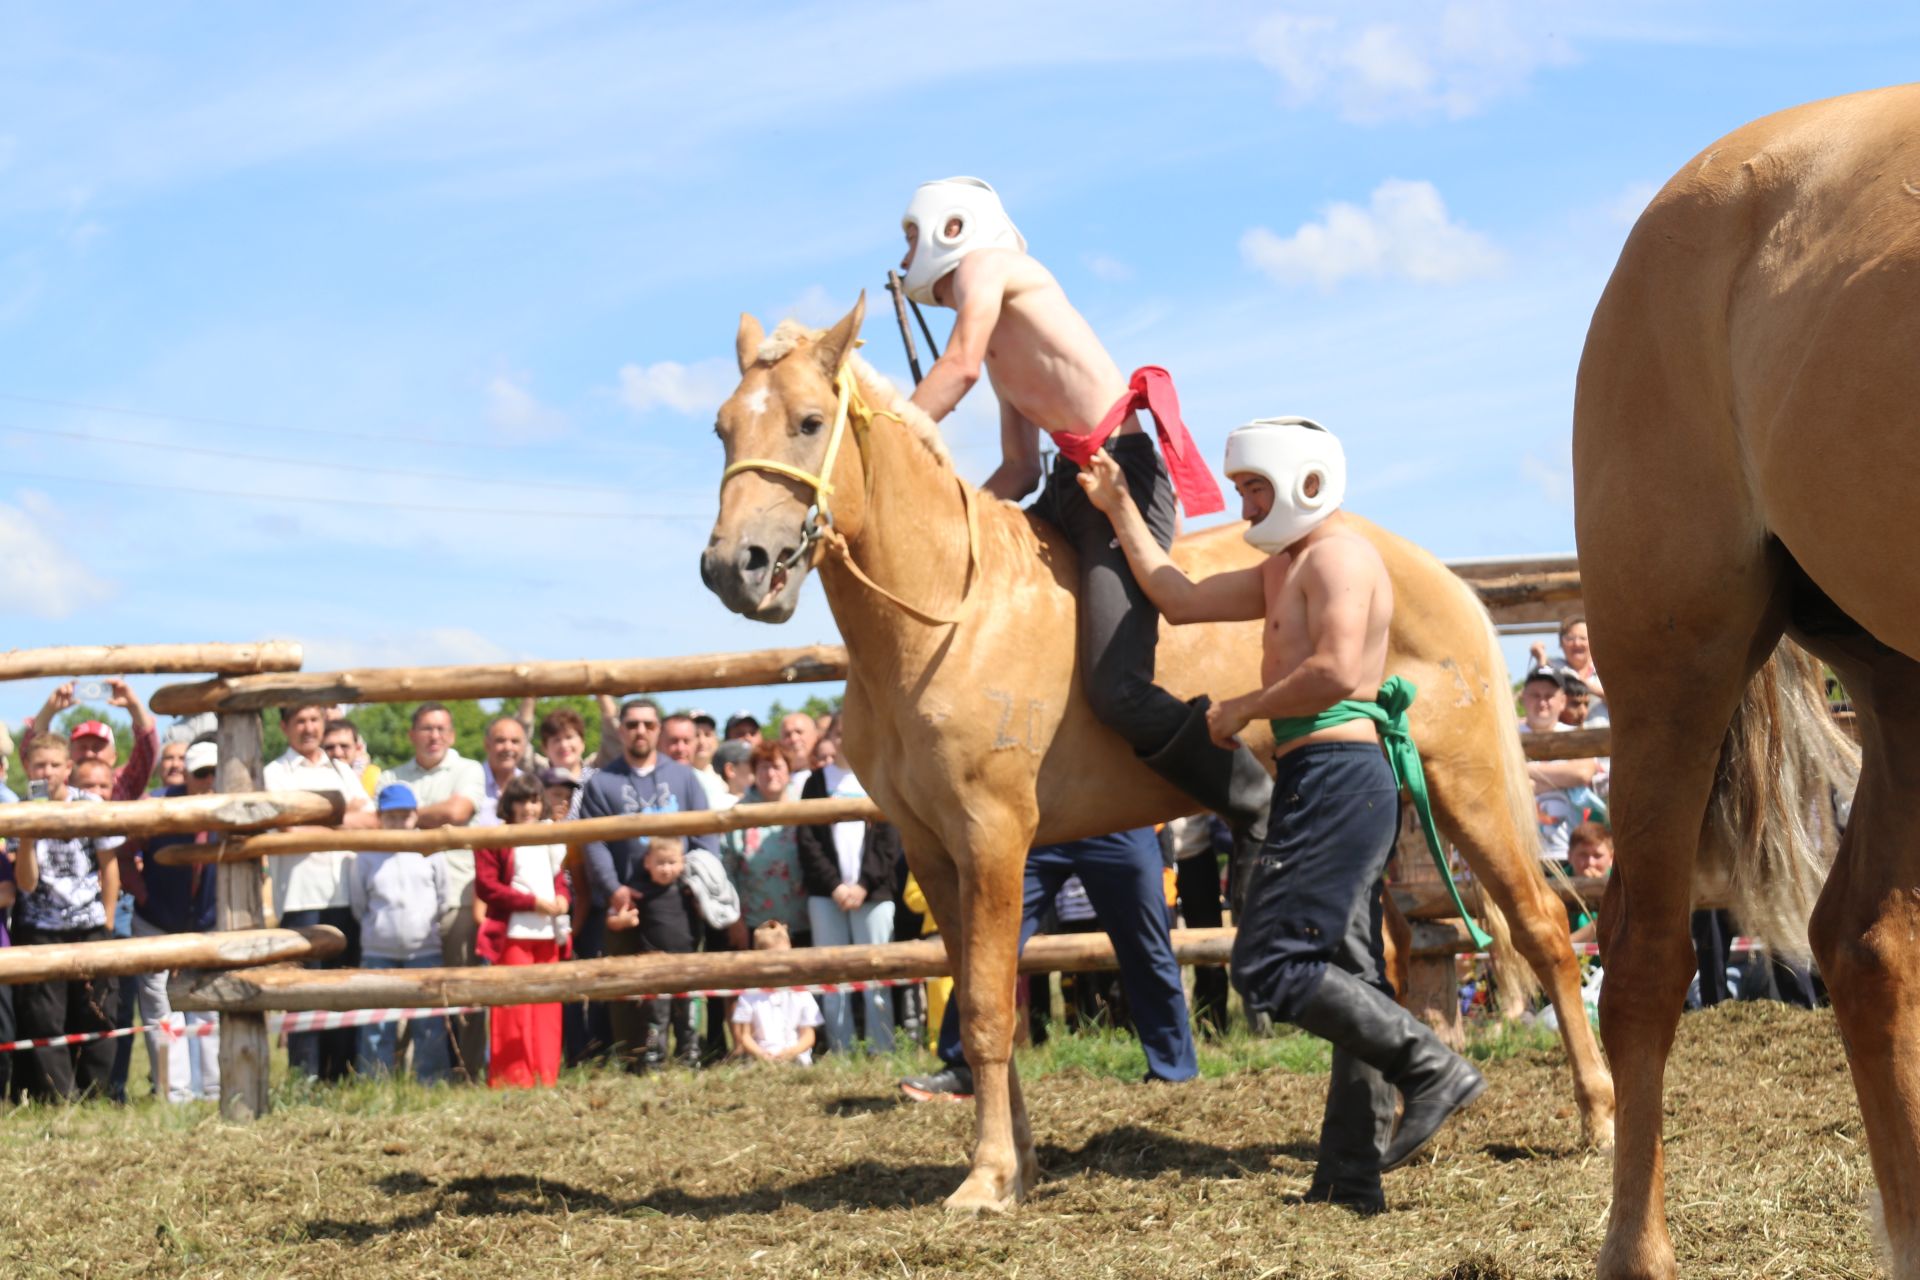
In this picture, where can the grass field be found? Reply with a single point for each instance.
(824, 1172)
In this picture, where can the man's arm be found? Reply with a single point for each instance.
(457, 810)
(599, 858)
(1235, 596)
(1558, 775)
(979, 288)
(1019, 471)
(1337, 579)
(132, 781)
(109, 881)
(57, 701)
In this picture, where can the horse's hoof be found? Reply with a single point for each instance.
(1598, 1135)
(978, 1195)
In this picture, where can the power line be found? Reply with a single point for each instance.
(329, 433)
(358, 502)
(283, 461)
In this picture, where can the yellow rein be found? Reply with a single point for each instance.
(852, 408)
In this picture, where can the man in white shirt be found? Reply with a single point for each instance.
(450, 789)
(506, 756)
(311, 888)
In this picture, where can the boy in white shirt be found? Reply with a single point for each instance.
(398, 899)
(776, 1026)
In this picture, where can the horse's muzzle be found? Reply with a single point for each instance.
(749, 580)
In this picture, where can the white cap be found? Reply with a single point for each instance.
(202, 755)
(1288, 453)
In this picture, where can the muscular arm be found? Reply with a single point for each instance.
(1019, 471)
(1235, 596)
(1338, 580)
(979, 287)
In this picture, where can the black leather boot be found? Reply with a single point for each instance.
(1233, 784)
(1358, 1120)
(1433, 1080)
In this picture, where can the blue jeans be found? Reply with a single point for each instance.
(868, 924)
(377, 1049)
(1123, 876)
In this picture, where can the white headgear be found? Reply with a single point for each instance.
(984, 224)
(1287, 453)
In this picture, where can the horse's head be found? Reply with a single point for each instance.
(781, 427)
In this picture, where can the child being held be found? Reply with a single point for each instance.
(398, 898)
(776, 1026)
(664, 913)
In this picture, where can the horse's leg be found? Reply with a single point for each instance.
(1673, 689)
(1505, 864)
(1863, 933)
(992, 872)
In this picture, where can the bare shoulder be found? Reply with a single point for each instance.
(1343, 558)
(1010, 270)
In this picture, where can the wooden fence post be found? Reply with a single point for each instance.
(1433, 985)
(241, 904)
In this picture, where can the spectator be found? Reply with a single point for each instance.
(524, 890)
(764, 862)
(8, 895)
(680, 742)
(93, 739)
(1199, 843)
(776, 1026)
(450, 789)
(168, 900)
(67, 891)
(733, 764)
(342, 741)
(563, 740)
(312, 888)
(641, 781)
(93, 777)
(557, 790)
(172, 767)
(398, 901)
(1543, 695)
(1123, 877)
(1589, 854)
(1576, 657)
(848, 872)
(706, 740)
(506, 747)
(1581, 712)
(659, 915)
(798, 734)
(678, 738)
(744, 726)
(939, 990)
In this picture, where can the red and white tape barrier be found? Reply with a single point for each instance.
(172, 1028)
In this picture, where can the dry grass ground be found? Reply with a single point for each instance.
(794, 1174)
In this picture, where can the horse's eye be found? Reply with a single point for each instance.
(811, 424)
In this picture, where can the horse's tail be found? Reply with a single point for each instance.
(1786, 775)
(1519, 982)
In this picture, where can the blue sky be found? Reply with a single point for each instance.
(487, 261)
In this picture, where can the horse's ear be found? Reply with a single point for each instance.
(746, 344)
(837, 343)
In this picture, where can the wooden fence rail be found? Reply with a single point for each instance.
(262, 990)
(150, 659)
(123, 957)
(173, 815)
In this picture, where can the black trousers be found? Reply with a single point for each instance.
(1197, 881)
(1313, 894)
(325, 1055)
(1119, 627)
(45, 1009)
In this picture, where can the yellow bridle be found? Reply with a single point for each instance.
(851, 409)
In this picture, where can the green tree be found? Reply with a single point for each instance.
(815, 706)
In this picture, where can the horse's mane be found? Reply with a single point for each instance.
(787, 337)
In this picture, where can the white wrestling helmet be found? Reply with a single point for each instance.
(1287, 453)
(984, 224)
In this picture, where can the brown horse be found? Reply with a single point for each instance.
(974, 736)
(1746, 437)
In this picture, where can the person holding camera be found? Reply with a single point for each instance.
(92, 739)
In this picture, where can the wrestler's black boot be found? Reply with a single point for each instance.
(1233, 784)
(1433, 1080)
(1358, 1120)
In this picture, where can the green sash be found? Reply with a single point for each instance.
(1389, 714)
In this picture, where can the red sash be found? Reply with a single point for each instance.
(1151, 388)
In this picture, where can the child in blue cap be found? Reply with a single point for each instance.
(399, 899)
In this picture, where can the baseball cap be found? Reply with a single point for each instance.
(739, 718)
(90, 728)
(202, 755)
(395, 795)
(698, 716)
(1552, 675)
(551, 777)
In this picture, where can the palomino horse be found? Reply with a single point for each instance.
(1746, 437)
(974, 736)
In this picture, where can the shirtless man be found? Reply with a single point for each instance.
(1309, 945)
(1051, 374)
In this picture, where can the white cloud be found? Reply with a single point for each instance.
(817, 307)
(516, 413)
(430, 646)
(683, 388)
(36, 575)
(1108, 268)
(1446, 60)
(1554, 481)
(1404, 231)
(1625, 209)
